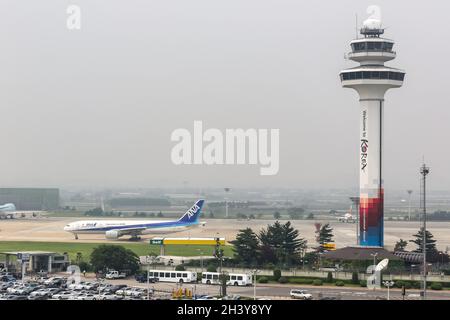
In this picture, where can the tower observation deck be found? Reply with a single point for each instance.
(371, 79)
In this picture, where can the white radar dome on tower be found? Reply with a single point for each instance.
(373, 24)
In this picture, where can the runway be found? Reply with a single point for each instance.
(51, 229)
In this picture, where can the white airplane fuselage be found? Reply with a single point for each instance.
(7, 210)
(151, 226)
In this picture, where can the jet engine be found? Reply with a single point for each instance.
(112, 235)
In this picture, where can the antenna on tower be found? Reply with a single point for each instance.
(356, 25)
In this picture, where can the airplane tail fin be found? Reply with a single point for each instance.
(193, 213)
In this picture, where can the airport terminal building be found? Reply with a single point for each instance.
(31, 198)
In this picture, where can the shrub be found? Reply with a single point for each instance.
(363, 283)
(317, 282)
(436, 286)
(211, 268)
(340, 283)
(355, 277)
(180, 267)
(329, 277)
(263, 280)
(301, 280)
(283, 280)
(276, 274)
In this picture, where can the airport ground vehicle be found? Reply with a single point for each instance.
(300, 294)
(143, 278)
(173, 276)
(234, 279)
(113, 274)
(140, 277)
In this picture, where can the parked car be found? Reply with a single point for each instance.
(108, 296)
(206, 297)
(38, 297)
(63, 295)
(114, 288)
(8, 278)
(85, 296)
(5, 285)
(15, 297)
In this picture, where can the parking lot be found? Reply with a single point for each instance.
(62, 287)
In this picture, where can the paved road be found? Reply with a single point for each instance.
(278, 291)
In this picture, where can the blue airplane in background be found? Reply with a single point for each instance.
(114, 229)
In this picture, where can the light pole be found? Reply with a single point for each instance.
(424, 171)
(409, 204)
(148, 278)
(388, 284)
(227, 190)
(412, 266)
(374, 255)
(254, 283)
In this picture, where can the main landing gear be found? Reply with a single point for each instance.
(135, 238)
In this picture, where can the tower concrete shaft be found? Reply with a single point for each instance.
(371, 80)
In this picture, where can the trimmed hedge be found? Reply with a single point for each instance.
(301, 280)
(436, 286)
(283, 280)
(263, 280)
(317, 282)
(340, 283)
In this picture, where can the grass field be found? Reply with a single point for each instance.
(141, 249)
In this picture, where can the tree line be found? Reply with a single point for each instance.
(279, 244)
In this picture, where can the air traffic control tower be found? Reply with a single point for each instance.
(371, 79)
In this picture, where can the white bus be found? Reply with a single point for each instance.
(234, 279)
(173, 276)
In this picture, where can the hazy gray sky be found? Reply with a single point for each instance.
(96, 107)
